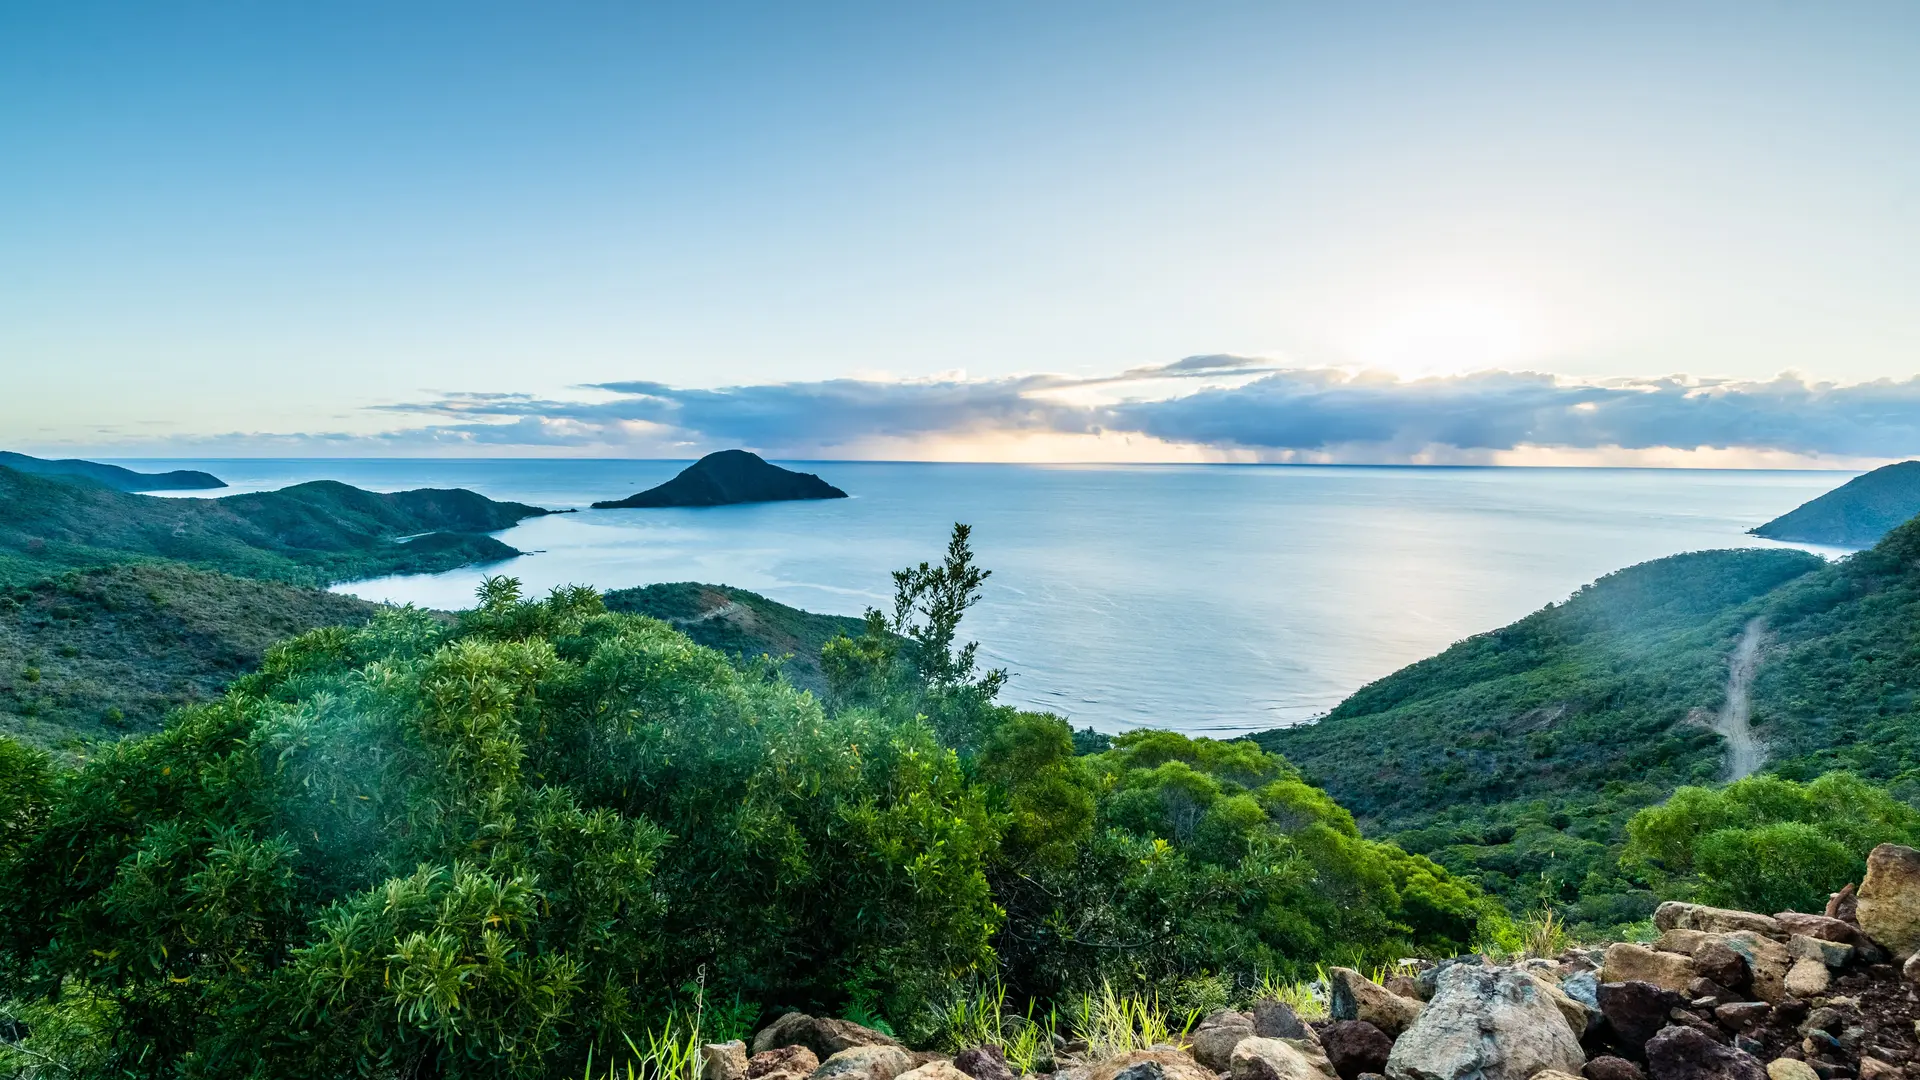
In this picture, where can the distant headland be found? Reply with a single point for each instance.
(112, 476)
(1856, 514)
(728, 477)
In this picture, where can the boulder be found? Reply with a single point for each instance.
(1807, 978)
(824, 1037)
(1583, 987)
(1842, 905)
(1354, 1047)
(1485, 1023)
(1404, 985)
(1889, 899)
(1910, 970)
(782, 1063)
(1741, 1015)
(1681, 940)
(1685, 1053)
(1574, 1013)
(1676, 915)
(1275, 1019)
(1872, 1068)
(1353, 996)
(1212, 1046)
(1608, 1067)
(1834, 954)
(1816, 926)
(938, 1069)
(1261, 1058)
(723, 1061)
(1555, 1074)
(1790, 1069)
(1156, 1065)
(1717, 960)
(875, 1062)
(1637, 1011)
(983, 1063)
(1766, 958)
(1627, 962)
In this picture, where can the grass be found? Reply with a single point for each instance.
(1113, 1022)
(980, 1017)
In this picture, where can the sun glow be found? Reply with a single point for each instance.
(1448, 330)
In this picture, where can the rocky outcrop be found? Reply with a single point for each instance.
(1213, 1041)
(822, 1036)
(782, 1063)
(983, 1063)
(1675, 915)
(1888, 908)
(1627, 962)
(1485, 1023)
(728, 477)
(1153, 1065)
(1353, 996)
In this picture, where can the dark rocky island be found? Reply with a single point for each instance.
(1856, 514)
(112, 476)
(728, 477)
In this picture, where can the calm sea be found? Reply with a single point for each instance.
(1214, 599)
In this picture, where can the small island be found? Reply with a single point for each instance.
(1854, 515)
(726, 478)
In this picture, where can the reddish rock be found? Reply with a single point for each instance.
(1685, 1053)
(983, 1063)
(1355, 1047)
(1608, 1067)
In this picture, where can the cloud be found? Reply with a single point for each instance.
(1221, 406)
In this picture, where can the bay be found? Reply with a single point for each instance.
(1211, 599)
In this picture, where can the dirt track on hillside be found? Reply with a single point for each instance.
(1745, 754)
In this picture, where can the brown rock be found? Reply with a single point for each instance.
(1212, 1046)
(824, 1037)
(1354, 1047)
(1889, 899)
(1404, 986)
(1807, 978)
(1608, 1067)
(1872, 1068)
(723, 1061)
(1261, 1058)
(788, 1029)
(1842, 905)
(782, 1063)
(1674, 914)
(1574, 1013)
(937, 1069)
(1682, 940)
(1716, 960)
(1554, 1074)
(1766, 958)
(875, 1062)
(1790, 1069)
(1817, 926)
(1353, 996)
(1274, 1019)
(983, 1063)
(1684, 1053)
(1741, 1015)
(1627, 962)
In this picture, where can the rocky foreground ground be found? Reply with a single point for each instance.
(1722, 995)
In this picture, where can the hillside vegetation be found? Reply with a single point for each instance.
(112, 476)
(312, 533)
(94, 655)
(1856, 514)
(505, 846)
(742, 624)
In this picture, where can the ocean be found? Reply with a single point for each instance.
(1210, 599)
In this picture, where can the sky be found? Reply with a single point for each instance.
(1674, 233)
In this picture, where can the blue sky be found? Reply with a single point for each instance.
(626, 229)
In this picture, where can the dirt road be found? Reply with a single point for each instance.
(1745, 754)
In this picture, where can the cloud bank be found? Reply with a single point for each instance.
(1199, 408)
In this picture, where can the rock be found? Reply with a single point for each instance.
(1555, 1074)
(1872, 1068)
(1790, 1069)
(1405, 986)
(1673, 914)
(1583, 987)
(1834, 954)
(1353, 996)
(1574, 1013)
(1889, 899)
(1682, 941)
(1843, 904)
(937, 1069)
(1627, 962)
(1825, 1019)
(1274, 1019)
(782, 1063)
(824, 1037)
(723, 1061)
(1485, 1023)
(1741, 1015)
(1808, 978)
(1910, 970)
(789, 1029)
(1766, 958)
(1817, 926)
(1354, 1047)
(874, 1062)
(1706, 994)
(1261, 1058)
(1608, 1067)
(1154, 1065)
(1226, 1018)
(1637, 1011)
(983, 1063)
(1717, 960)
(1213, 1046)
(1685, 1053)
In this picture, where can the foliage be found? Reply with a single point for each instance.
(1768, 844)
(742, 624)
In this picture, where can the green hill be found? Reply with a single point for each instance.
(91, 656)
(1856, 514)
(741, 623)
(112, 476)
(728, 477)
(311, 533)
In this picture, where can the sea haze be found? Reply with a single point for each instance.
(1208, 599)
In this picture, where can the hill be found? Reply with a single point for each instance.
(91, 656)
(1856, 514)
(112, 476)
(741, 623)
(728, 477)
(312, 533)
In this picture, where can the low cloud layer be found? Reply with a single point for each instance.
(1240, 407)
